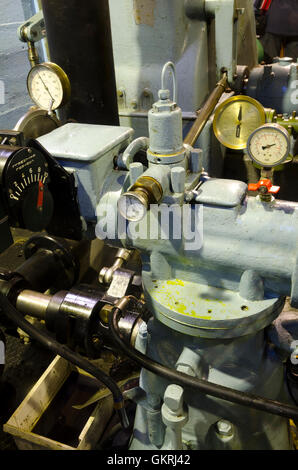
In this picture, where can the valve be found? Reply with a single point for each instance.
(265, 189)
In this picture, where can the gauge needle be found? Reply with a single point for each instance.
(46, 87)
(267, 146)
(238, 128)
(40, 196)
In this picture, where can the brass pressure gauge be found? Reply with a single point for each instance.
(269, 145)
(134, 204)
(235, 119)
(48, 86)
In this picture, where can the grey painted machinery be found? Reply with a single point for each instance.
(216, 267)
(203, 317)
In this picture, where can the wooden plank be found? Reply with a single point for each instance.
(38, 399)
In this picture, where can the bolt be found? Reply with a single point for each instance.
(188, 196)
(102, 274)
(173, 398)
(143, 333)
(164, 94)
(224, 428)
(96, 340)
(147, 92)
(105, 313)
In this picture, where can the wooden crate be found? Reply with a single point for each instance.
(24, 419)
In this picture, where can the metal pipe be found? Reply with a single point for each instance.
(193, 383)
(206, 111)
(141, 143)
(41, 269)
(80, 41)
(33, 303)
(47, 341)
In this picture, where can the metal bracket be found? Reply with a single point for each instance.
(33, 30)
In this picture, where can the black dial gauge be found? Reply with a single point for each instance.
(25, 179)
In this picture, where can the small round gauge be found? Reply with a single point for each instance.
(269, 145)
(235, 119)
(133, 206)
(48, 86)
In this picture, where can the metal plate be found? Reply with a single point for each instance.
(202, 310)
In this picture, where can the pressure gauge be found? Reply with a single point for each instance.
(37, 122)
(48, 86)
(235, 119)
(269, 145)
(24, 181)
(133, 205)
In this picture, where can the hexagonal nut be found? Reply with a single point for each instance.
(224, 428)
(173, 397)
(164, 106)
(164, 94)
(105, 313)
(150, 186)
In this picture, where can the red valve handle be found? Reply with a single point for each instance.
(264, 182)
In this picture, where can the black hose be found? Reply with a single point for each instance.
(203, 386)
(63, 351)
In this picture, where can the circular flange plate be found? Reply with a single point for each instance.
(210, 312)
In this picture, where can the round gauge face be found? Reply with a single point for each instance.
(36, 122)
(25, 183)
(131, 207)
(269, 145)
(48, 86)
(235, 119)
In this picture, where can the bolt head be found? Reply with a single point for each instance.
(224, 428)
(164, 94)
(173, 397)
(101, 276)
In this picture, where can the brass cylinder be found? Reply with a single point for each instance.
(206, 112)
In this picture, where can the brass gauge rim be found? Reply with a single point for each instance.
(27, 123)
(63, 78)
(221, 108)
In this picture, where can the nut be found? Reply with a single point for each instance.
(224, 428)
(173, 397)
(105, 313)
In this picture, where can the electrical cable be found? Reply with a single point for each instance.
(46, 340)
(203, 386)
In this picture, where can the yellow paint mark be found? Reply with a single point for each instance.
(176, 282)
(181, 309)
